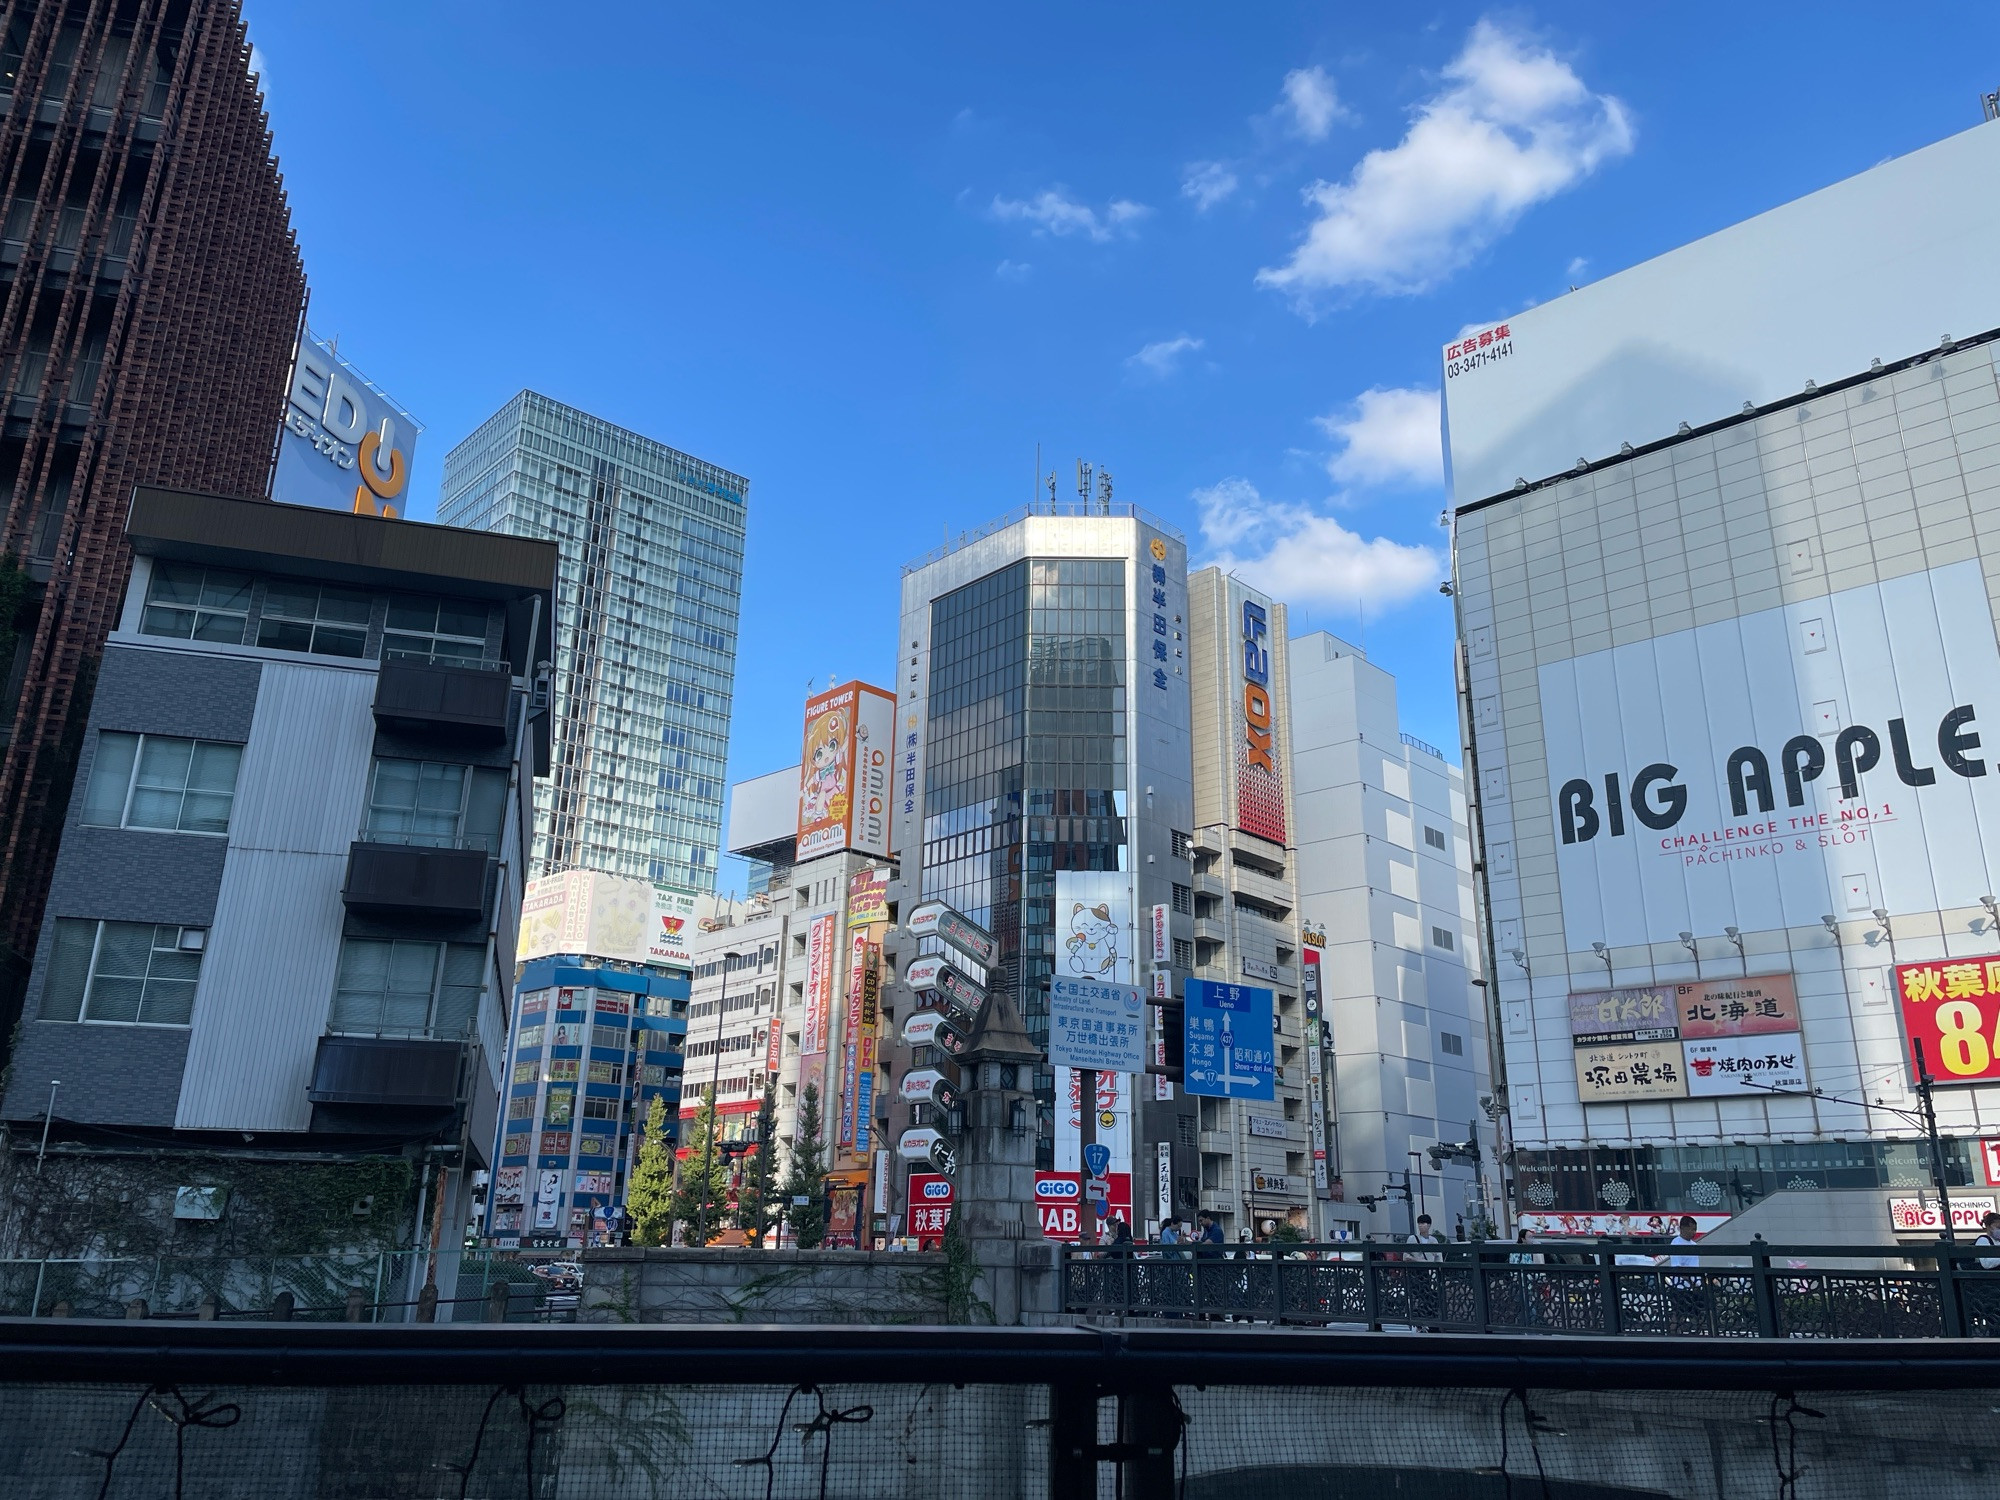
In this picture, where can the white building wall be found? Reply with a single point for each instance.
(1408, 1036)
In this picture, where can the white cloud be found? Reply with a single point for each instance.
(1314, 106)
(1053, 211)
(1513, 127)
(1387, 437)
(1013, 270)
(1207, 183)
(1161, 359)
(1297, 555)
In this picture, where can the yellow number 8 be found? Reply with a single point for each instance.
(1961, 1047)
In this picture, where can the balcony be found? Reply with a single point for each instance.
(411, 880)
(465, 703)
(386, 1072)
(1263, 889)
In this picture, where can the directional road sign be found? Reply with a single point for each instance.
(1096, 1025)
(1230, 1044)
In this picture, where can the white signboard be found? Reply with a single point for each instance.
(1099, 1026)
(1920, 1214)
(1162, 936)
(1826, 757)
(1746, 1066)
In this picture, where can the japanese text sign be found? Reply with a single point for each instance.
(1952, 1006)
(1097, 1026)
(1230, 1051)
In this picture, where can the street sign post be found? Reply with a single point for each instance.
(939, 976)
(1231, 1046)
(929, 1086)
(932, 1028)
(1097, 1158)
(1096, 1026)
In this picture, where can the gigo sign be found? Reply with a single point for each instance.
(345, 445)
(1059, 1200)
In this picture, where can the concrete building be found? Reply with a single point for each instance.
(1257, 1158)
(645, 653)
(1042, 788)
(1727, 634)
(737, 1010)
(595, 1041)
(1387, 920)
(154, 288)
(283, 921)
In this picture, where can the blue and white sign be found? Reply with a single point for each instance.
(1230, 1042)
(1097, 1158)
(1100, 1026)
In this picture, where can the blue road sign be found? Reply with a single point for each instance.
(1097, 1158)
(1231, 1048)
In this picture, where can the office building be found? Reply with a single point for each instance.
(1258, 1161)
(1389, 939)
(646, 614)
(152, 291)
(1042, 788)
(1728, 668)
(595, 1042)
(282, 925)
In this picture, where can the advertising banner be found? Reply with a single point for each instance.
(1745, 1064)
(930, 1208)
(606, 916)
(1162, 936)
(845, 771)
(1922, 1214)
(345, 445)
(1260, 786)
(1231, 1046)
(1952, 1006)
(1094, 941)
(1614, 1071)
(1760, 772)
(1318, 1054)
(1060, 1203)
(1699, 1040)
(819, 984)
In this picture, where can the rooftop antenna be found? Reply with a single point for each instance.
(1990, 103)
(1083, 484)
(1104, 491)
(1052, 492)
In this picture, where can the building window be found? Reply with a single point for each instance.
(137, 973)
(196, 604)
(1183, 845)
(407, 989)
(1183, 953)
(1183, 900)
(1435, 838)
(306, 617)
(600, 1109)
(152, 781)
(1452, 1043)
(1441, 936)
(607, 1036)
(437, 630)
(444, 806)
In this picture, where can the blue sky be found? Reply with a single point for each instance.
(871, 256)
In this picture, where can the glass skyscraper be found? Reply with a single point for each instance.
(646, 615)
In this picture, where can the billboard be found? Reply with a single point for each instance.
(1095, 941)
(607, 916)
(1878, 266)
(1260, 784)
(1952, 1006)
(1701, 1040)
(345, 444)
(845, 771)
(867, 924)
(1763, 771)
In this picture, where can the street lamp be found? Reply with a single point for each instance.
(714, 1082)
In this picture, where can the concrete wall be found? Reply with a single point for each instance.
(762, 1286)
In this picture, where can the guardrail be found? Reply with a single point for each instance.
(1590, 1288)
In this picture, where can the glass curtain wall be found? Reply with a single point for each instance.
(1026, 775)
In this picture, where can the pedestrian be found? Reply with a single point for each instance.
(1521, 1255)
(1989, 1236)
(1121, 1235)
(1426, 1236)
(1170, 1233)
(1687, 1237)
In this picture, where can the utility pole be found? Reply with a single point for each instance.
(1931, 1130)
(1086, 1122)
(714, 1081)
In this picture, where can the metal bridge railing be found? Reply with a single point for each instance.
(1573, 1287)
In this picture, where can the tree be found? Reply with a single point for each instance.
(703, 1190)
(648, 1197)
(753, 1200)
(805, 1176)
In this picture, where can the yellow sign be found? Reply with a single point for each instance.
(1159, 550)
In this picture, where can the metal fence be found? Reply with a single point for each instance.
(247, 1411)
(1754, 1291)
(380, 1288)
